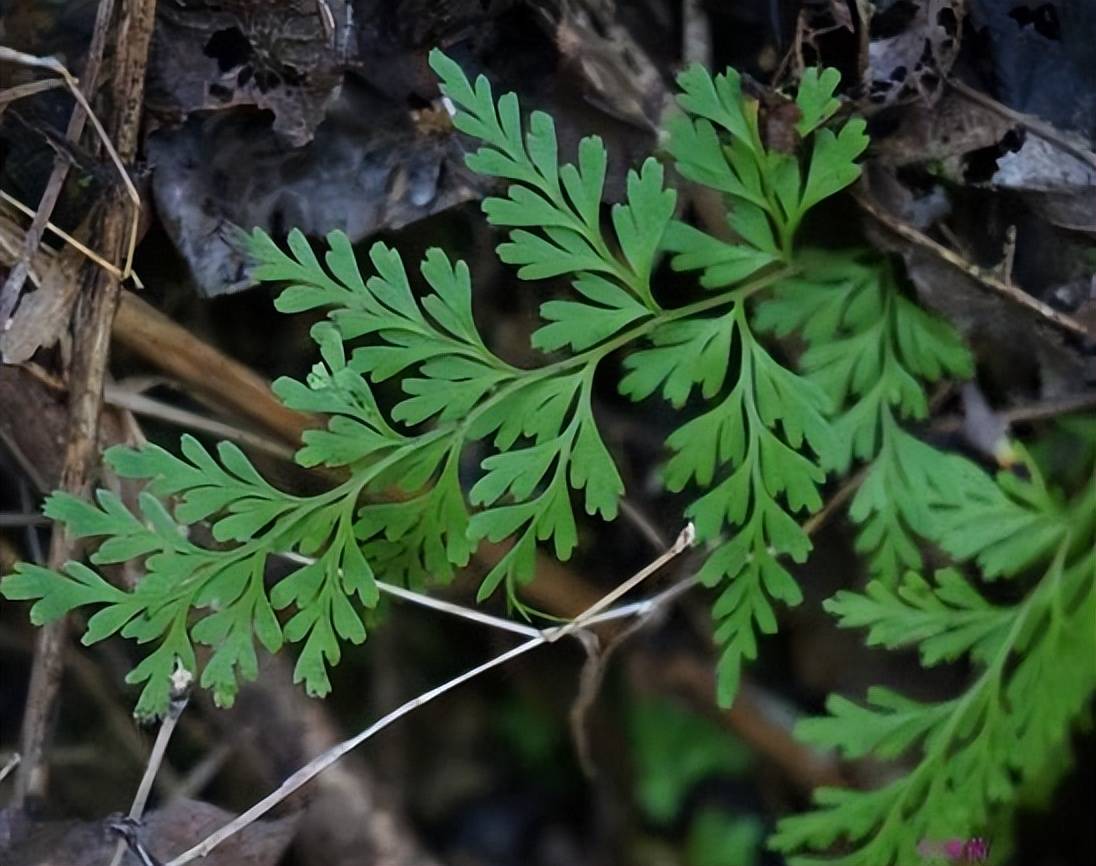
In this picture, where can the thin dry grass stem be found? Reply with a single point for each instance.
(597, 659)
(14, 283)
(1056, 318)
(77, 245)
(92, 318)
(180, 695)
(202, 773)
(9, 765)
(10, 55)
(594, 668)
(309, 771)
(48, 661)
(682, 543)
(636, 516)
(593, 615)
(140, 404)
(22, 91)
(439, 604)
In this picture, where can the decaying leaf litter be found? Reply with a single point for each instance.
(979, 183)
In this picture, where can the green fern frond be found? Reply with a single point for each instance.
(760, 450)
(764, 448)
(1037, 661)
(871, 349)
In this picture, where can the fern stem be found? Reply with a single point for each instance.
(741, 293)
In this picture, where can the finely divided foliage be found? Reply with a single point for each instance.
(1035, 662)
(756, 447)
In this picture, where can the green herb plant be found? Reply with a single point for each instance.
(968, 760)
(753, 450)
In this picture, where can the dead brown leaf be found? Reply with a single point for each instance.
(42, 316)
(915, 61)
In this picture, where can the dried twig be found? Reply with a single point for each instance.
(590, 615)
(1028, 412)
(13, 285)
(140, 404)
(202, 773)
(1061, 321)
(94, 312)
(597, 660)
(77, 245)
(21, 91)
(9, 765)
(208, 372)
(1033, 124)
(316, 766)
(593, 670)
(17, 519)
(636, 516)
(438, 604)
(180, 694)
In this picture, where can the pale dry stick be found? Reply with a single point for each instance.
(588, 617)
(317, 765)
(684, 541)
(180, 695)
(1058, 319)
(645, 606)
(18, 520)
(202, 773)
(10, 55)
(77, 245)
(133, 400)
(593, 671)
(88, 678)
(641, 522)
(9, 765)
(22, 91)
(140, 404)
(597, 661)
(47, 664)
(13, 285)
(210, 375)
(437, 603)
(1033, 124)
(94, 310)
(1028, 413)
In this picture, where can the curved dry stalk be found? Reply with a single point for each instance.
(317, 765)
(13, 285)
(180, 695)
